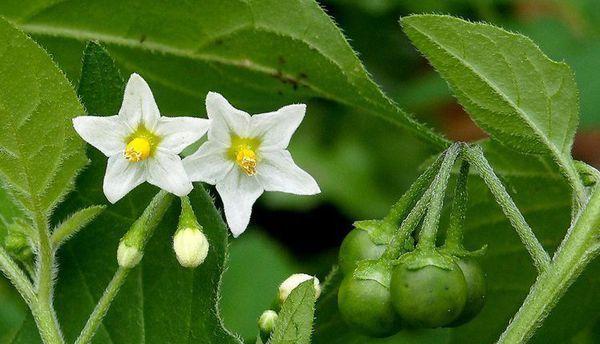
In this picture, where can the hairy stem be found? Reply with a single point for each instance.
(541, 259)
(14, 274)
(43, 310)
(454, 237)
(139, 233)
(416, 190)
(574, 253)
(432, 218)
(103, 305)
(408, 226)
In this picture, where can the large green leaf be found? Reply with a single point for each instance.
(256, 52)
(161, 302)
(39, 154)
(509, 87)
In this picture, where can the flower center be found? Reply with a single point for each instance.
(246, 159)
(137, 149)
(244, 152)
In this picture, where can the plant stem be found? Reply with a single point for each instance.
(408, 226)
(432, 218)
(416, 190)
(12, 271)
(43, 310)
(541, 259)
(103, 305)
(574, 253)
(138, 235)
(454, 236)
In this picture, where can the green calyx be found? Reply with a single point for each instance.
(421, 258)
(187, 218)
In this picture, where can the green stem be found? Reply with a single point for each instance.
(541, 259)
(408, 226)
(14, 274)
(103, 306)
(416, 190)
(137, 236)
(454, 236)
(43, 310)
(575, 252)
(432, 218)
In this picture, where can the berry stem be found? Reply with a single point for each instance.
(432, 218)
(454, 236)
(475, 156)
(409, 199)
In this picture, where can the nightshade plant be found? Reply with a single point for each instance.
(91, 272)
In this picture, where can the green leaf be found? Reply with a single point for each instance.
(39, 153)
(74, 223)
(259, 54)
(503, 80)
(294, 324)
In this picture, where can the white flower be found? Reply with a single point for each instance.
(140, 144)
(246, 155)
(285, 289)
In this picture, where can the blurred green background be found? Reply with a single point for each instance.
(363, 165)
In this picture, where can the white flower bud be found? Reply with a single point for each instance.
(128, 256)
(267, 320)
(191, 247)
(292, 282)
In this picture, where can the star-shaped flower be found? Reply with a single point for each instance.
(246, 155)
(140, 144)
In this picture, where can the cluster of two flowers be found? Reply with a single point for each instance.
(243, 156)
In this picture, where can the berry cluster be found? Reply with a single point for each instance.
(390, 282)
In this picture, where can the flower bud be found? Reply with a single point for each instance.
(189, 243)
(292, 282)
(128, 256)
(131, 247)
(16, 241)
(266, 322)
(191, 247)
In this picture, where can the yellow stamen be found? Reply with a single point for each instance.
(246, 159)
(137, 149)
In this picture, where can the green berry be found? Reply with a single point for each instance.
(358, 246)
(476, 289)
(428, 295)
(366, 307)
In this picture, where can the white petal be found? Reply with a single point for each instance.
(226, 120)
(238, 193)
(179, 132)
(209, 164)
(277, 171)
(165, 170)
(105, 133)
(276, 128)
(138, 105)
(121, 177)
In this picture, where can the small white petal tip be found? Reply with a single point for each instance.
(295, 280)
(191, 247)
